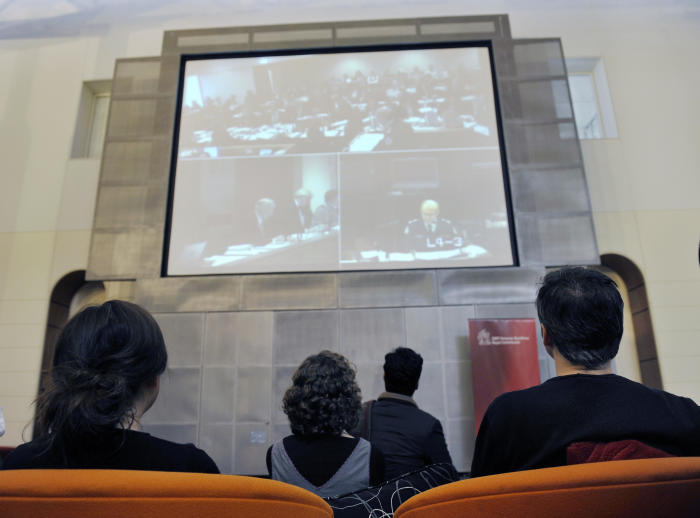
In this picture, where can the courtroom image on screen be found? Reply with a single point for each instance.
(401, 208)
(239, 214)
(338, 160)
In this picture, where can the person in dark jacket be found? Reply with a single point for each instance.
(409, 437)
(585, 407)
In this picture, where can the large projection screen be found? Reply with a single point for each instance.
(338, 159)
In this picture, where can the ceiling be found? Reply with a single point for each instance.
(67, 18)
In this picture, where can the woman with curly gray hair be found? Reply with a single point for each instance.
(322, 404)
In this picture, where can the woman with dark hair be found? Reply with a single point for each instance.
(322, 404)
(105, 375)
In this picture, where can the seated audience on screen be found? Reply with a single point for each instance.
(302, 216)
(267, 226)
(430, 231)
(408, 437)
(326, 215)
(105, 375)
(320, 456)
(441, 106)
(580, 312)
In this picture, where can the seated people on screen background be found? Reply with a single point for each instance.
(430, 231)
(105, 375)
(580, 312)
(302, 218)
(408, 437)
(268, 226)
(320, 456)
(326, 215)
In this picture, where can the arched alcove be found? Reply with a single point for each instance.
(641, 317)
(70, 294)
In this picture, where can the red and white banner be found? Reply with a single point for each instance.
(503, 357)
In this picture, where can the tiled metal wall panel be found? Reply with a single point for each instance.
(299, 334)
(551, 206)
(367, 334)
(507, 285)
(461, 436)
(423, 332)
(430, 395)
(254, 394)
(178, 400)
(393, 288)
(217, 441)
(218, 394)
(183, 332)
(225, 387)
(184, 294)
(290, 291)
(128, 229)
(455, 331)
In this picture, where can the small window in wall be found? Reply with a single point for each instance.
(92, 119)
(590, 97)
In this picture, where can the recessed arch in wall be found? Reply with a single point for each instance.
(641, 317)
(70, 294)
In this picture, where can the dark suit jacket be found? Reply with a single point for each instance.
(408, 437)
(418, 237)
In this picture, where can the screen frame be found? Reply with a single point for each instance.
(345, 49)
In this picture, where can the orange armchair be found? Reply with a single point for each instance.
(644, 488)
(70, 493)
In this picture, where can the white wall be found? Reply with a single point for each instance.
(645, 187)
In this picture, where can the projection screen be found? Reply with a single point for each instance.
(338, 159)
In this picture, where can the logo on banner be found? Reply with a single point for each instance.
(484, 337)
(503, 356)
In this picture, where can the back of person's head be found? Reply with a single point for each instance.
(324, 398)
(105, 357)
(581, 310)
(402, 369)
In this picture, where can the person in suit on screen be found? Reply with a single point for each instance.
(430, 231)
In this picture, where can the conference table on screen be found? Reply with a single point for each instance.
(296, 249)
(323, 245)
(421, 256)
(283, 138)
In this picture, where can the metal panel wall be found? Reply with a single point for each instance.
(229, 370)
(234, 341)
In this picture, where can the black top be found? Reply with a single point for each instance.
(139, 451)
(532, 428)
(408, 437)
(318, 457)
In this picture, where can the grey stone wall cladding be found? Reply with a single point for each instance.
(228, 371)
(234, 341)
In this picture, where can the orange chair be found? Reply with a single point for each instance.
(65, 493)
(643, 488)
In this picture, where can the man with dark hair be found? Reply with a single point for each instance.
(408, 437)
(586, 412)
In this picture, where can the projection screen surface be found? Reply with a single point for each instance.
(338, 160)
